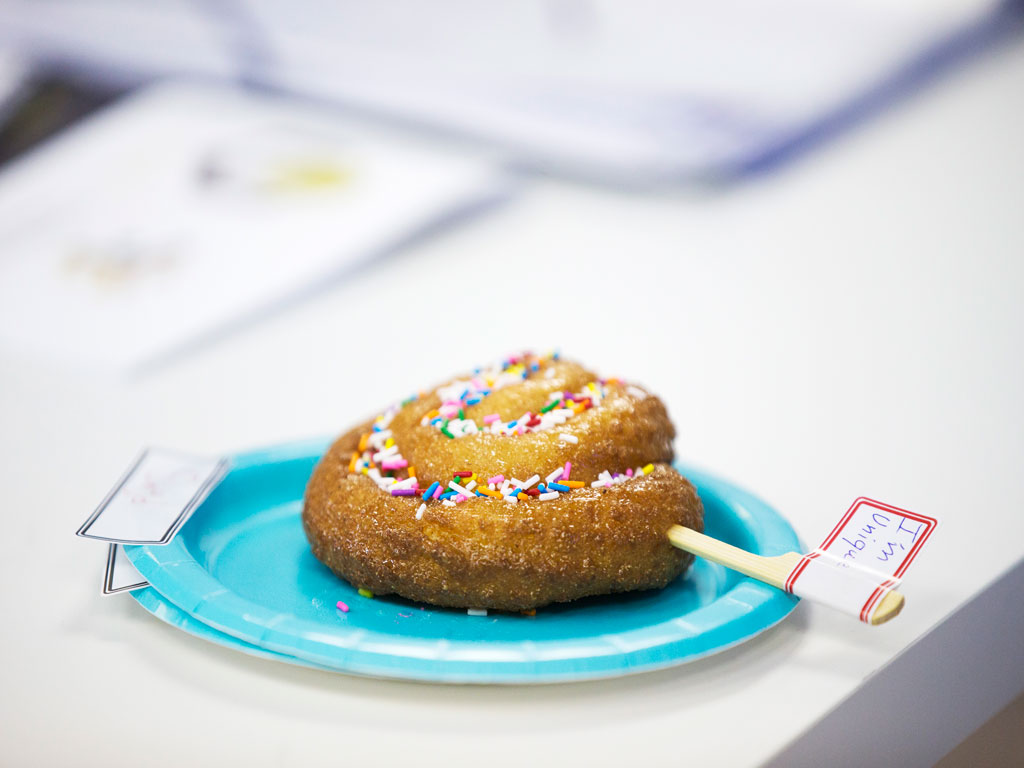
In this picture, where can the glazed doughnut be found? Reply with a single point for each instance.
(530, 482)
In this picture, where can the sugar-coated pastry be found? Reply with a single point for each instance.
(524, 484)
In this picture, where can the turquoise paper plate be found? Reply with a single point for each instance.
(242, 568)
(167, 611)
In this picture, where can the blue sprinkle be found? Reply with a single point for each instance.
(473, 401)
(430, 491)
(541, 488)
(448, 495)
(511, 424)
(376, 428)
(559, 487)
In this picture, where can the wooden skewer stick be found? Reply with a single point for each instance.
(770, 570)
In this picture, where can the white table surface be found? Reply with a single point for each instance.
(851, 326)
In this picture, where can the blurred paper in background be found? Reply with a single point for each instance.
(637, 92)
(185, 209)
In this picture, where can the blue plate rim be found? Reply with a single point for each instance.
(162, 608)
(744, 611)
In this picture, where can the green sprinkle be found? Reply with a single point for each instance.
(549, 407)
(462, 414)
(365, 593)
(446, 433)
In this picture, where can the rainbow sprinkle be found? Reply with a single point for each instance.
(450, 419)
(379, 457)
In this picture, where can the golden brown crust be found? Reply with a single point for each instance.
(486, 553)
(628, 430)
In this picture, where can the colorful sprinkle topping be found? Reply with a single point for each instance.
(380, 459)
(450, 419)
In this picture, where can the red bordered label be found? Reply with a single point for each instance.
(864, 556)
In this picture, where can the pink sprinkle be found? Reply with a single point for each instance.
(459, 498)
(629, 473)
(342, 607)
(452, 404)
(490, 419)
(497, 479)
(400, 464)
(567, 470)
(437, 491)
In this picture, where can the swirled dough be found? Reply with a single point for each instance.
(487, 553)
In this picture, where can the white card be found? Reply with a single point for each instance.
(154, 498)
(120, 575)
(863, 558)
(184, 211)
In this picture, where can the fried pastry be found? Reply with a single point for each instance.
(527, 483)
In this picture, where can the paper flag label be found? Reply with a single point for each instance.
(154, 498)
(121, 575)
(863, 558)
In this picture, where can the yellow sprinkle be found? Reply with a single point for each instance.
(352, 462)
(648, 469)
(432, 414)
(365, 592)
(572, 483)
(489, 492)
(366, 471)
(389, 442)
(412, 471)
(363, 441)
